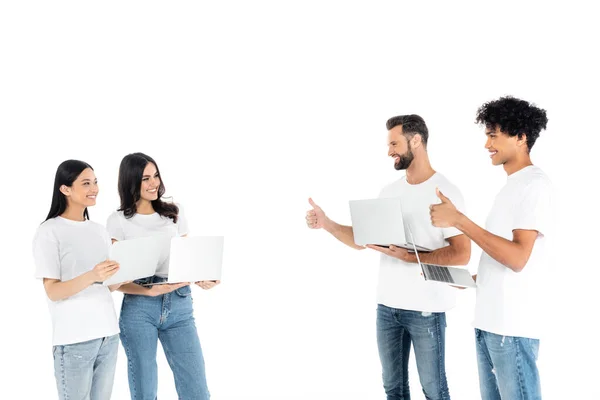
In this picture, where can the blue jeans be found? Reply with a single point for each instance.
(170, 319)
(396, 330)
(86, 370)
(507, 367)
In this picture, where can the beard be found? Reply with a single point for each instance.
(405, 160)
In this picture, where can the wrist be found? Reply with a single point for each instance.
(411, 258)
(328, 225)
(460, 222)
(89, 278)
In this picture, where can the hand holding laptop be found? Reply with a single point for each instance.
(104, 270)
(380, 222)
(208, 284)
(474, 277)
(137, 258)
(394, 251)
(159, 290)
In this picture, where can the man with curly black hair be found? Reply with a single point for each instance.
(512, 266)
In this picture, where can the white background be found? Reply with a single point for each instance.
(251, 107)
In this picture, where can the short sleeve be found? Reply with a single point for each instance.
(182, 222)
(46, 254)
(457, 199)
(114, 227)
(533, 210)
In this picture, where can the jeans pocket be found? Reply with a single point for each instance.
(184, 291)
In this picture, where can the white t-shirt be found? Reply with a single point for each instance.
(509, 303)
(65, 249)
(400, 283)
(141, 225)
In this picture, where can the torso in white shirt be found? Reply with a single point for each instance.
(400, 283)
(509, 303)
(65, 249)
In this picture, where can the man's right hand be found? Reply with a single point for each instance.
(315, 218)
(157, 290)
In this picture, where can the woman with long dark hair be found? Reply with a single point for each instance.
(70, 254)
(157, 312)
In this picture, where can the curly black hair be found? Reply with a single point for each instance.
(515, 117)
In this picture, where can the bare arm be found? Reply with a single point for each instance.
(513, 254)
(316, 219)
(457, 253)
(134, 288)
(59, 290)
(343, 233)
(155, 290)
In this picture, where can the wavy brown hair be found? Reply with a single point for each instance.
(131, 172)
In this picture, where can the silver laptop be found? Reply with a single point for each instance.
(138, 258)
(380, 222)
(439, 273)
(194, 258)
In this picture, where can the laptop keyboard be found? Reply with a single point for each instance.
(438, 273)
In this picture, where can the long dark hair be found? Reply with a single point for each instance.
(131, 172)
(66, 173)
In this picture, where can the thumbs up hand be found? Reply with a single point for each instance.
(315, 218)
(444, 214)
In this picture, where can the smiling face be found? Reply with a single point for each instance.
(83, 191)
(150, 183)
(399, 148)
(502, 147)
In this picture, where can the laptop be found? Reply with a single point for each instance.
(379, 222)
(439, 273)
(138, 258)
(194, 258)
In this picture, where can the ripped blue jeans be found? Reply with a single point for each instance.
(507, 367)
(396, 330)
(169, 318)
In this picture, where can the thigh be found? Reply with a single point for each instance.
(139, 319)
(428, 334)
(104, 368)
(179, 339)
(488, 384)
(393, 342)
(514, 360)
(74, 369)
